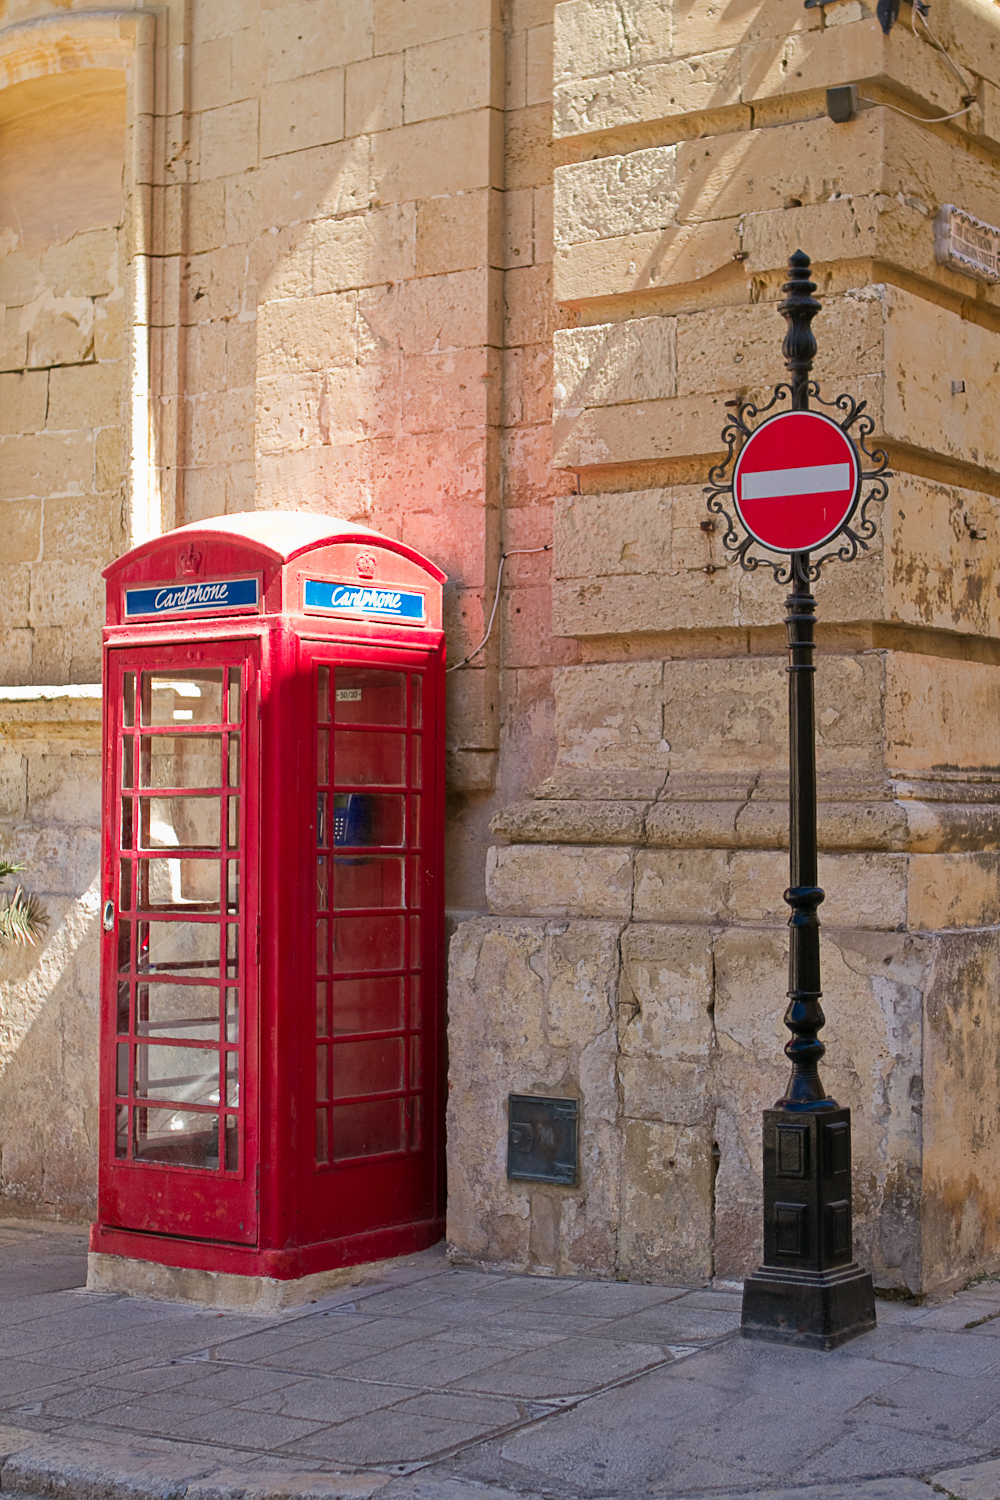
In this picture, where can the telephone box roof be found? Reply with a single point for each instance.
(283, 534)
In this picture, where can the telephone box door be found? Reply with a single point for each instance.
(179, 1138)
(376, 1150)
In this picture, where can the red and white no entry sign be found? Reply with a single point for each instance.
(796, 481)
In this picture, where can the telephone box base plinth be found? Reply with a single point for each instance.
(218, 1289)
(814, 1309)
(173, 1270)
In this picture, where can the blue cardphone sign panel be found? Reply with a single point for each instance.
(214, 597)
(367, 601)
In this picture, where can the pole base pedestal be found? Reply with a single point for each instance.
(815, 1309)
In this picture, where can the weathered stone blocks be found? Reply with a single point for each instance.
(678, 1086)
(533, 1010)
(50, 782)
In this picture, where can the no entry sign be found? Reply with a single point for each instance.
(796, 481)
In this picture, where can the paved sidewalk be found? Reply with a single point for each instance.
(431, 1382)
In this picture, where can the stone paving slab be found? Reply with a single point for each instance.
(434, 1382)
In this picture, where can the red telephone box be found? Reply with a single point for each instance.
(271, 963)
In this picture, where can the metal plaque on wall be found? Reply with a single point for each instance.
(542, 1139)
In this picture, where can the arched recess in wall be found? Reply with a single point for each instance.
(89, 462)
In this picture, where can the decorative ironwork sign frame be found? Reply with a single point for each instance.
(859, 527)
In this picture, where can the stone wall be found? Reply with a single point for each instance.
(62, 150)
(50, 757)
(635, 954)
(485, 276)
(330, 223)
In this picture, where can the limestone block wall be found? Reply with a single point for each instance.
(364, 318)
(693, 154)
(331, 226)
(62, 274)
(50, 755)
(80, 479)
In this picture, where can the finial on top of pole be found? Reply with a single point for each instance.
(798, 309)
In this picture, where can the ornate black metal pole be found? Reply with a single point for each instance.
(809, 1289)
(804, 1016)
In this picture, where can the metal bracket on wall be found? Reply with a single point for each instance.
(886, 10)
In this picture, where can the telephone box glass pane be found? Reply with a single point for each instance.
(365, 820)
(323, 756)
(322, 883)
(232, 1015)
(367, 1129)
(365, 696)
(181, 761)
(367, 944)
(178, 947)
(416, 702)
(127, 822)
(416, 759)
(189, 1075)
(121, 1132)
(190, 1011)
(234, 713)
(367, 882)
(181, 1138)
(362, 820)
(125, 886)
(367, 1067)
(128, 700)
(368, 758)
(415, 1110)
(181, 697)
(168, 883)
(323, 695)
(232, 1075)
(232, 1144)
(366, 1005)
(124, 947)
(124, 993)
(322, 1137)
(233, 836)
(179, 823)
(121, 1070)
(128, 762)
(322, 1072)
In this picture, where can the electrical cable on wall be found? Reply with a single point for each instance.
(513, 552)
(921, 9)
(888, 12)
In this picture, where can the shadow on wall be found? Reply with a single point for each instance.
(48, 1063)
